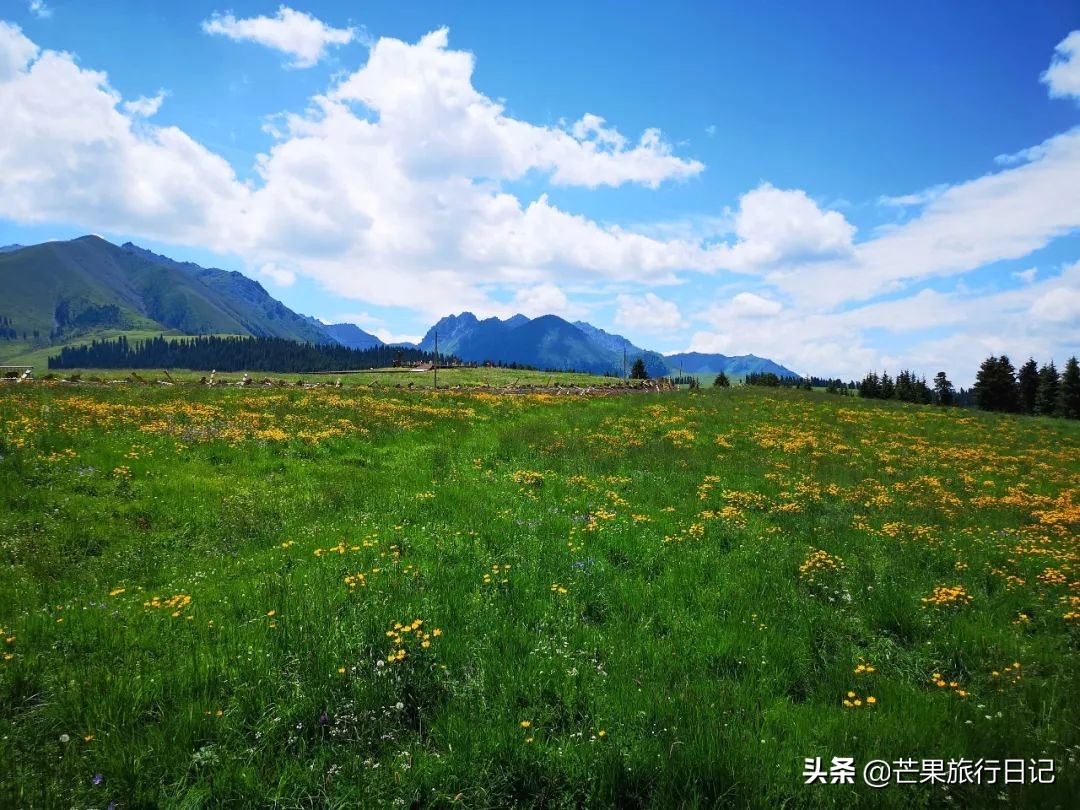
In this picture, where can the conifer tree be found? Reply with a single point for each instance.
(888, 388)
(995, 385)
(1028, 386)
(1070, 390)
(943, 390)
(721, 381)
(1046, 398)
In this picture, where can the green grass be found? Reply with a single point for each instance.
(655, 582)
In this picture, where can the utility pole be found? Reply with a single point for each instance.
(624, 362)
(436, 360)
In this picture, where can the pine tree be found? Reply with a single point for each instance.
(721, 381)
(1070, 390)
(870, 387)
(1046, 398)
(1028, 386)
(888, 389)
(943, 390)
(995, 385)
(637, 371)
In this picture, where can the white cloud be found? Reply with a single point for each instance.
(426, 104)
(1022, 156)
(1041, 319)
(1026, 276)
(278, 275)
(382, 210)
(361, 319)
(145, 106)
(386, 336)
(296, 33)
(543, 299)
(648, 313)
(16, 51)
(710, 130)
(752, 305)
(67, 154)
(917, 198)
(741, 307)
(710, 343)
(1060, 305)
(776, 226)
(39, 9)
(1004, 215)
(1063, 76)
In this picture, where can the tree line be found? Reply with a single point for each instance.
(1033, 390)
(769, 379)
(231, 353)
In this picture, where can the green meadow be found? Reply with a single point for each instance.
(290, 597)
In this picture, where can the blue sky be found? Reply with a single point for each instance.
(838, 186)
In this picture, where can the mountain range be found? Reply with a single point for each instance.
(61, 291)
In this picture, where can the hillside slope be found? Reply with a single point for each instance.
(61, 290)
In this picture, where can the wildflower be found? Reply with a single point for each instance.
(97, 780)
(601, 733)
(88, 737)
(399, 705)
(64, 738)
(526, 723)
(871, 700)
(271, 613)
(341, 670)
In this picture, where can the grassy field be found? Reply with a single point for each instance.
(356, 598)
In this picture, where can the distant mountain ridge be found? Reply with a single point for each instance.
(740, 364)
(552, 342)
(351, 335)
(58, 291)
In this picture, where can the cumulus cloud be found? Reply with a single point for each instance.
(145, 106)
(387, 187)
(744, 306)
(296, 33)
(1063, 76)
(424, 98)
(278, 275)
(648, 313)
(752, 305)
(68, 154)
(16, 51)
(543, 299)
(775, 226)
(39, 9)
